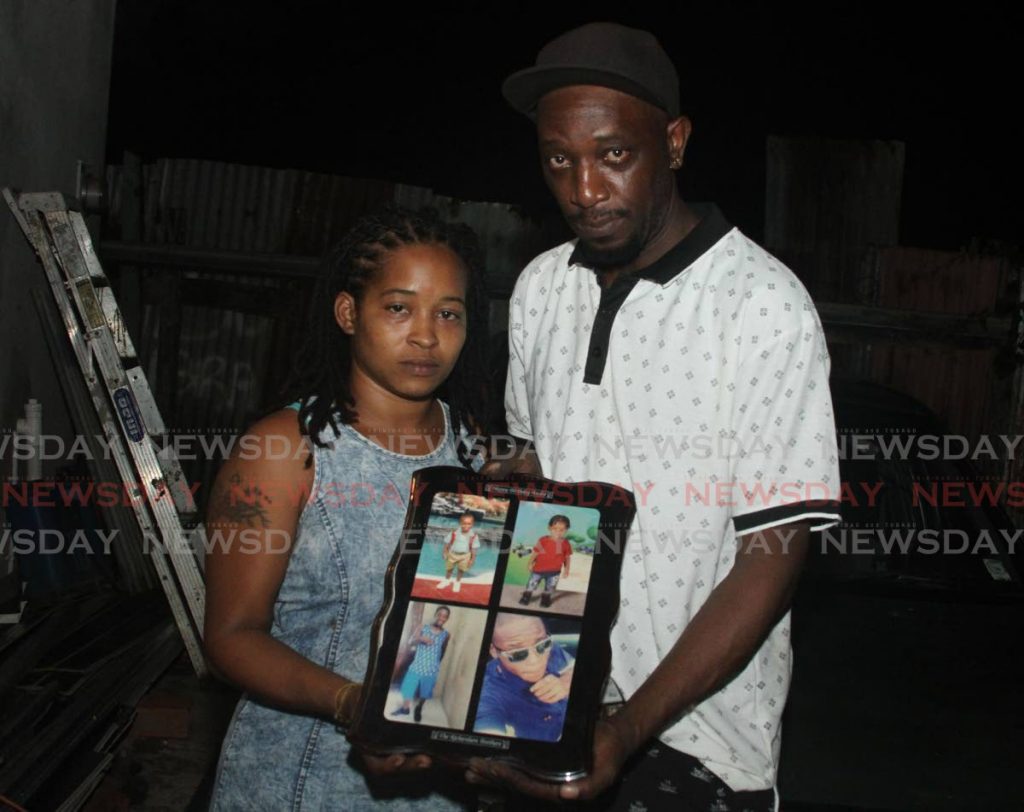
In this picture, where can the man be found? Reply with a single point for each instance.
(665, 334)
(526, 684)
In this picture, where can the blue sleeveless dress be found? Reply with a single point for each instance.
(333, 587)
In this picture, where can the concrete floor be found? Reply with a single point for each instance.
(174, 771)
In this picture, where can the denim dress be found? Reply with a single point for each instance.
(331, 593)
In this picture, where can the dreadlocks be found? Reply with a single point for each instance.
(320, 378)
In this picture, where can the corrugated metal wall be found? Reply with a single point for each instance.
(957, 384)
(833, 212)
(216, 346)
(829, 205)
(827, 202)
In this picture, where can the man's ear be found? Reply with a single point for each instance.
(677, 134)
(494, 652)
(345, 312)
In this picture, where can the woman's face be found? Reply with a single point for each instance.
(408, 326)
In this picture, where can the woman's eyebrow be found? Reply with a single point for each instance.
(404, 292)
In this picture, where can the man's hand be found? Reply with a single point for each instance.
(611, 749)
(552, 687)
(523, 461)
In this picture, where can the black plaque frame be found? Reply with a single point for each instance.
(567, 759)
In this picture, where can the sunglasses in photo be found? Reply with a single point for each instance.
(517, 655)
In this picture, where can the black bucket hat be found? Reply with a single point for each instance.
(605, 54)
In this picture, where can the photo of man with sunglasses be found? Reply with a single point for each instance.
(526, 683)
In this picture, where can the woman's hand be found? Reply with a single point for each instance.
(380, 766)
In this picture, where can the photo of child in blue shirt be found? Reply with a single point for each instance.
(421, 677)
(526, 683)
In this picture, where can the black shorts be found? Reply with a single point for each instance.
(659, 778)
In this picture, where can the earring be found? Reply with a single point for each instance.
(676, 163)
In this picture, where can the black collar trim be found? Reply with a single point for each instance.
(711, 228)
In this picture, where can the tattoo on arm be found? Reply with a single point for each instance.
(244, 503)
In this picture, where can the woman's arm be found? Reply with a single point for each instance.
(254, 511)
(260, 496)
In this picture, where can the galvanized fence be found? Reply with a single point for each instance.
(219, 259)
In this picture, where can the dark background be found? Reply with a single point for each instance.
(412, 94)
(907, 685)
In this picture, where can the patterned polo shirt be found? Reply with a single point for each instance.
(701, 384)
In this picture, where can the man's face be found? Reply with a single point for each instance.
(466, 523)
(441, 617)
(516, 636)
(605, 156)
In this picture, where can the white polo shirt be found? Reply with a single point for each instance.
(701, 384)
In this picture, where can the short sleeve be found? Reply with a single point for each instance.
(786, 462)
(517, 403)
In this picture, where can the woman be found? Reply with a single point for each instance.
(397, 320)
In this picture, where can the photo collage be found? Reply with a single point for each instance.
(492, 630)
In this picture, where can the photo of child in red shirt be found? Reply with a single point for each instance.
(549, 561)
